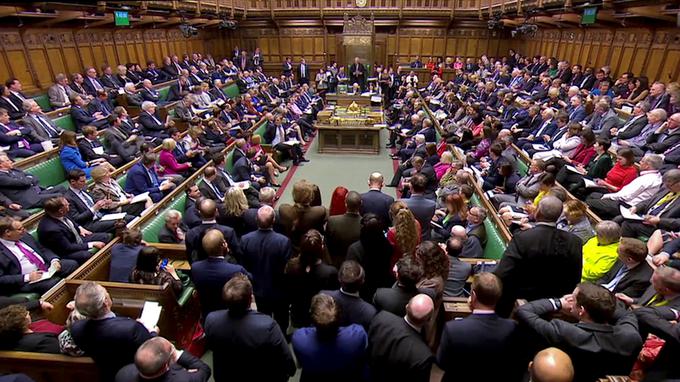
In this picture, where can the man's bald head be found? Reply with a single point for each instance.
(549, 209)
(459, 232)
(208, 209)
(265, 217)
(375, 180)
(153, 358)
(419, 309)
(551, 365)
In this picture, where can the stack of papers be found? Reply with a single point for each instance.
(626, 214)
(151, 313)
(113, 217)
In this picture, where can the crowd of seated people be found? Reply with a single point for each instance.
(359, 295)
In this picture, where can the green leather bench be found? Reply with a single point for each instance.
(49, 172)
(229, 162)
(65, 122)
(231, 91)
(153, 227)
(522, 167)
(44, 101)
(163, 93)
(495, 246)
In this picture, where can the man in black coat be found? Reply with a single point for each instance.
(605, 341)
(409, 273)
(110, 340)
(397, 347)
(479, 337)
(631, 273)
(65, 237)
(208, 211)
(23, 188)
(357, 74)
(265, 254)
(23, 261)
(661, 211)
(158, 360)
(540, 262)
(375, 201)
(353, 309)
(241, 338)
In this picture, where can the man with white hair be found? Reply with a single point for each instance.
(148, 93)
(152, 125)
(158, 360)
(60, 93)
(398, 351)
(655, 121)
(173, 231)
(131, 96)
(110, 340)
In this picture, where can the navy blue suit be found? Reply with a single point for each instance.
(178, 372)
(240, 344)
(473, 340)
(123, 261)
(241, 170)
(353, 310)
(57, 236)
(423, 210)
(194, 240)
(191, 217)
(377, 202)
(139, 182)
(209, 277)
(152, 127)
(111, 342)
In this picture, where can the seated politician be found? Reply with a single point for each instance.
(15, 333)
(142, 178)
(106, 188)
(71, 158)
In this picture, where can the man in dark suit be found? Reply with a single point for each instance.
(173, 231)
(108, 79)
(92, 149)
(194, 239)
(357, 74)
(91, 83)
(630, 274)
(119, 141)
(343, 230)
(23, 188)
(605, 341)
(661, 211)
(110, 340)
(397, 348)
(540, 262)
(152, 126)
(179, 89)
(394, 300)
(209, 187)
(265, 254)
(240, 338)
(12, 104)
(353, 309)
(481, 336)
(154, 74)
(20, 140)
(287, 67)
(142, 178)
(375, 201)
(635, 123)
(302, 72)
(42, 127)
(422, 207)
(83, 117)
(65, 237)
(191, 217)
(158, 360)
(420, 166)
(210, 275)
(663, 291)
(83, 210)
(23, 261)
(148, 93)
(546, 129)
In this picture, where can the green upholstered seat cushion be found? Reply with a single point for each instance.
(65, 122)
(522, 167)
(153, 227)
(44, 101)
(231, 91)
(229, 162)
(121, 181)
(49, 172)
(26, 296)
(495, 246)
(163, 93)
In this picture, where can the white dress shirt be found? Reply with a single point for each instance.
(26, 266)
(641, 188)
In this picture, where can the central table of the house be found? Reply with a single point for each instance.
(353, 129)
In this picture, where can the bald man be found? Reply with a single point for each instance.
(375, 201)
(551, 365)
(398, 351)
(265, 254)
(158, 360)
(207, 209)
(210, 275)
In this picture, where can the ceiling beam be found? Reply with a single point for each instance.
(653, 12)
(62, 16)
(108, 19)
(171, 21)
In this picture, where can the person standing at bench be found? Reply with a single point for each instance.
(110, 340)
(194, 238)
(23, 188)
(23, 261)
(242, 339)
(65, 237)
(467, 344)
(158, 360)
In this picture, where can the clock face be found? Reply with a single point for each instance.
(361, 3)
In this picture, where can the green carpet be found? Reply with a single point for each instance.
(329, 171)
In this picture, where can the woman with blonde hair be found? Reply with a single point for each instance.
(575, 220)
(235, 206)
(404, 235)
(168, 161)
(106, 187)
(265, 160)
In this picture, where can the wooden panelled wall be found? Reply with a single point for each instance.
(35, 56)
(650, 52)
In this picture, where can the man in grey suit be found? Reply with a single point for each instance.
(422, 207)
(343, 230)
(43, 128)
(183, 110)
(60, 93)
(634, 125)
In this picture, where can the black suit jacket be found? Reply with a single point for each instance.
(178, 372)
(353, 310)
(16, 111)
(669, 217)
(474, 340)
(377, 202)
(194, 240)
(111, 342)
(11, 278)
(634, 283)
(397, 351)
(540, 262)
(240, 343)
(36, 343)
(265, 254)
(150, 127)
(394, 299)
(191, 217)
(56, 236)
(78, 211)
(209, 277)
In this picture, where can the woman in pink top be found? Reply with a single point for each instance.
(444, 164)
(168, 162)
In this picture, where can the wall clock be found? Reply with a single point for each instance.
(361, 3)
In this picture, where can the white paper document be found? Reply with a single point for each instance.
(376, 99)
(139, 198)
(242, 185)
(98, 150)
(589, 183)
(625, 212)
(113, 217)
(46, 275)
(151, 313)
(573, 169)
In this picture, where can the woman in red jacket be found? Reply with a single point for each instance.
(168, 162)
